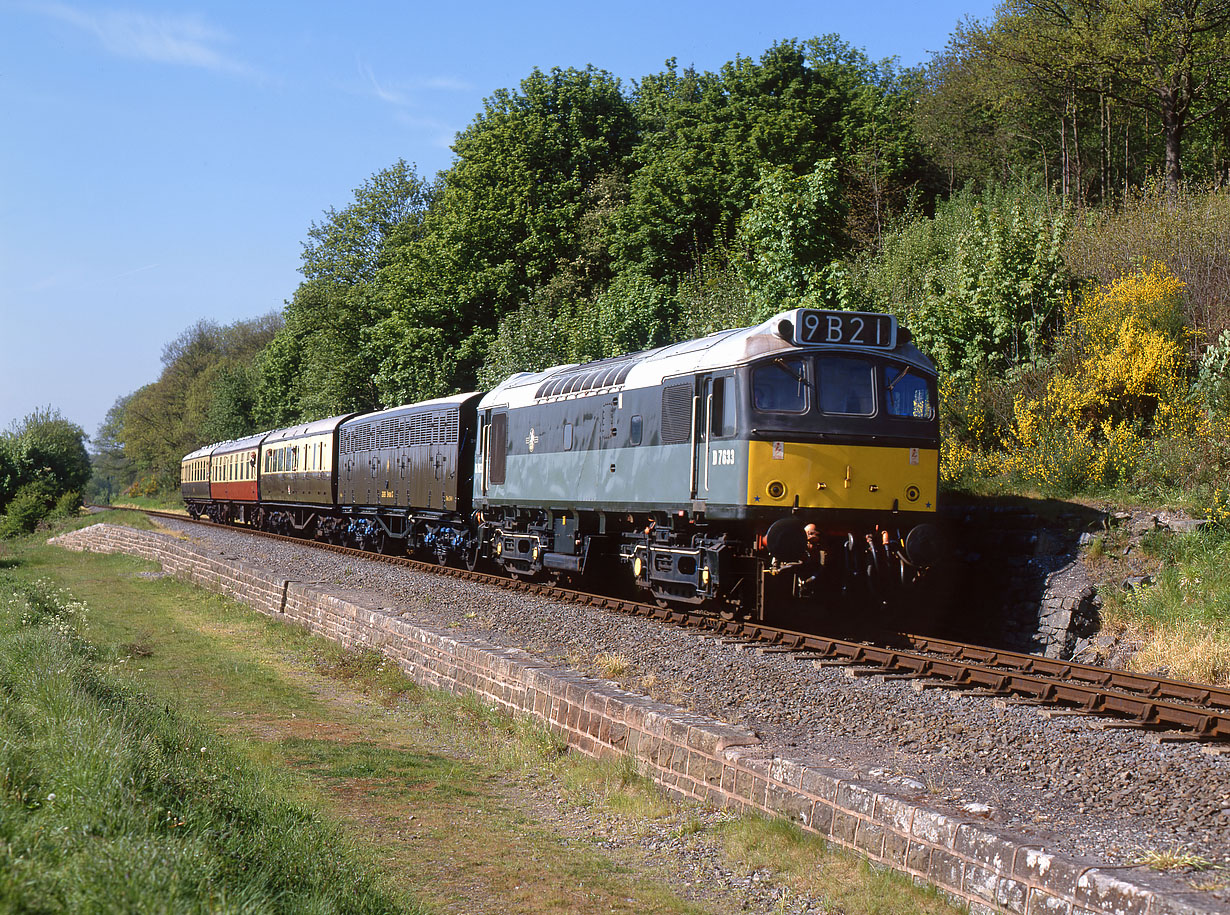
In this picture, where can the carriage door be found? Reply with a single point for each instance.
(713, 425)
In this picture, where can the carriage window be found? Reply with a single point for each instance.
(636, 428)
(780, 386)
(845, 385)
(908, 393)
(567, 436)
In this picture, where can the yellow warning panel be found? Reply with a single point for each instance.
(842, 476)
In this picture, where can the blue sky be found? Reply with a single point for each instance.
(161, 163)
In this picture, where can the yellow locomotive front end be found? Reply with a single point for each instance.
(830, 477)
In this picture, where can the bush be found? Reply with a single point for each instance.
(1187, 234)
(981, 286)
(1097, 413)
(67, 505)
(1213, 375)
(30, 505)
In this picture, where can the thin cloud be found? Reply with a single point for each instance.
(385, 94)
(448, 83)
(403, 95)
(128, 273)
(181, 40)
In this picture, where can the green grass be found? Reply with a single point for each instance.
(1182, 617)
(114, 801)
(161, 502)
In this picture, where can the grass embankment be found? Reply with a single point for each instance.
(114, 801)
(327, 779)
(1179, 618)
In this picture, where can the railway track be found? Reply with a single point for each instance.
(1190, 710)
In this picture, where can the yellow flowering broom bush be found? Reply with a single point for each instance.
(1117, 383)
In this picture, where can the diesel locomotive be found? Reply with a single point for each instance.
(798, 459)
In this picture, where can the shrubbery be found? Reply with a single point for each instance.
(1112, 404)
(981, 286)
(43, 467)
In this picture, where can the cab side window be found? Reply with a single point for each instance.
(907, 393)
(722, 415)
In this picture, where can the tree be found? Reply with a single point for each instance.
(350, 245)
(1170, 58)
(318, 364)
(510, 217)
(43, 463)
(112, 469)
(195, 395)
(789, 236)
(706, 137)
(49, 447)
(980, 286)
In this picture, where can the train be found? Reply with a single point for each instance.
(796, 460)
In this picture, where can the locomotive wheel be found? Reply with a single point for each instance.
(471, 557)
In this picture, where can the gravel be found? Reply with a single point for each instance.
(1066, 781)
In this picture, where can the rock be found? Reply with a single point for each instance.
(1186, 525)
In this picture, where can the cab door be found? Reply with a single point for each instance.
(714, 431)
(492, 449)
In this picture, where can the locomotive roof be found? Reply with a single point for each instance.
(454, 400)
(650, 368)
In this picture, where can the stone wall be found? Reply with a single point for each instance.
(691, 756)
(1020, 572)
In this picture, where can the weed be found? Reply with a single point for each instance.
(611, 665)
(1173, 859)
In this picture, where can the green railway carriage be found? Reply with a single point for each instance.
(700, 464)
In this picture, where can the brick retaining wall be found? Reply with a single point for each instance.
(691, 756)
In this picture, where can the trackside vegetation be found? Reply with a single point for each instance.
(43, 469)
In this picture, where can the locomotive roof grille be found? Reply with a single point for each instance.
(587, 378)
